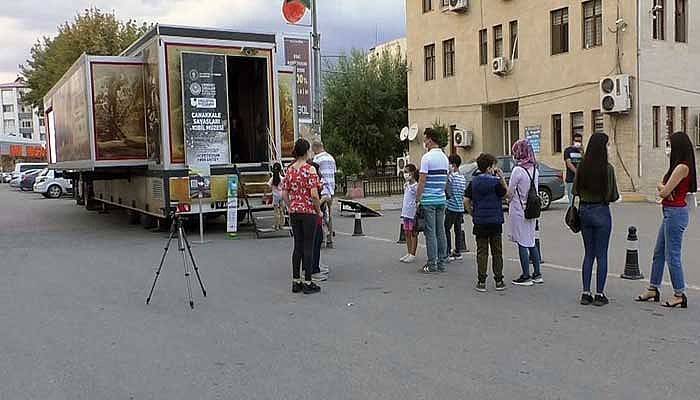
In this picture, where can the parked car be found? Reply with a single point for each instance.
(16, 181)
(28, 178)
(5, 177)
(551, 186)
(24, 167)
(52, 184)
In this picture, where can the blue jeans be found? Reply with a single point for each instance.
(668, 248)
(596, 227)
(528, 254)
(570, 193)
(435, 237)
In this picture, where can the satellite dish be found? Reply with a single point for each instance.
(413, 132)
(404, 134)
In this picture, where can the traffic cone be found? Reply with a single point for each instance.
(632, 259)
(537, 242)
(358, 225)
(402, 235)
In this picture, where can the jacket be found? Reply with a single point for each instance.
(487, 197)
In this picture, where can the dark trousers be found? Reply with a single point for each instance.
(304, 230)
(596, 227)
(454, 220)
(318, 240)
(482, 256)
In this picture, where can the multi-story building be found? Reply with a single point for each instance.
(394, 47)
(22, 129)
(508, 69)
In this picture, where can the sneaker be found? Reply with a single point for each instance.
(600, 300)
(441, 269)
(456, 257)
(586, 299)
(537, 279)
(310, 288)
(324, 269)
(523, 281)
(481, 287)
(409, 259)
(403, 259)
(500, 286)
(329, 245)
(297, 287)
(429, 269)
(319, 277)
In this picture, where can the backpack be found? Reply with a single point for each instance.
(533, 203)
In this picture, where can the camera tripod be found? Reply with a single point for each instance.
(176, 228)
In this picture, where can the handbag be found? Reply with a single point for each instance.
(573, 218)
(420, 219)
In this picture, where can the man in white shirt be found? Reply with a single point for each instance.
(327, 170)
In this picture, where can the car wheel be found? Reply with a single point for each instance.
(54, 191)
(546, 197)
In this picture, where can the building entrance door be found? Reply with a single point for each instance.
(511, 133)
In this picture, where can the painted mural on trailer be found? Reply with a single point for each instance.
(152, 106)
(120, 130)
(72, 134)
(286, 90)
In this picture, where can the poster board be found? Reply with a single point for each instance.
(297, 52)
(289, 123)
(70, 116)
(533, 134)
(232, 205)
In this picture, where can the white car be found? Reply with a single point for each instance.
(52, 184)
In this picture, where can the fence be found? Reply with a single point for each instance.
(383, 186)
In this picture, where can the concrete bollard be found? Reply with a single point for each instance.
(632, 257)
(358, 224)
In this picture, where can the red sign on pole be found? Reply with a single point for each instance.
(293, 10)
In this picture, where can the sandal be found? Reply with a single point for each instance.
(683, 303)
(652, 293)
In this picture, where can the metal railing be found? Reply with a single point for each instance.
(383, 186)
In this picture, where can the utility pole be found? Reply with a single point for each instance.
(316, 48)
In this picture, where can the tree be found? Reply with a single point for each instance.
(92, 32)
(365, 107)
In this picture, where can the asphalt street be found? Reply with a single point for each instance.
(74, 323)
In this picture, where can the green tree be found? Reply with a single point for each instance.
(93, 32)
(365, 107)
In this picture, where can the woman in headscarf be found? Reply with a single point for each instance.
(520, 229)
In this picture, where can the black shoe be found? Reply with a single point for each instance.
(297, 287)
(523, 281)
(310, 288)
(600, 300)
(586, 299)
(500, 286)
(537, 279)
(481, 287)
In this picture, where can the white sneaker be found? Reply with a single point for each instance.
(324, 269)
(402, 259)
(408, 259)
(319, 277)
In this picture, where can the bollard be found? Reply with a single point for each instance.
(537, 242)
(632, 258)
(358, 224)
(402, 235)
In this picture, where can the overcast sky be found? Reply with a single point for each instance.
(345, 24)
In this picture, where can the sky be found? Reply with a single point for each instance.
(344, 24)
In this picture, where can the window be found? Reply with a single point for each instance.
(577, 126)
(659, 20)
(430, 62)
(498, 41)
(681, 21)
(27, 135)
(556, 133)
(25, 123)
(592, 23)
(42, 137)
(8, 108)
(514, 39)
(483, 47)
(597, 121)
(448, 57)
(684, 120)
(670, 117)
(427, 5)
(25, 109)
(560, 31)
(656, 116)
(445, 3)
(41, 121)
(9, 125)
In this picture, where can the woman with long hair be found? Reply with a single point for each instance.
(520, 229)
(300, 193)
(596, 187)
(680, 179)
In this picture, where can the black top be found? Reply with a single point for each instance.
(576, 156)
(486, 230)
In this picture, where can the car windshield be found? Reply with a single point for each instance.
(44, 172)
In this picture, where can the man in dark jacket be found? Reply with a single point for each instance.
(485, 196)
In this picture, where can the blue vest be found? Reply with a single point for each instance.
(488, 206)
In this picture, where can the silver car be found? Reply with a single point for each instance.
(52, 184)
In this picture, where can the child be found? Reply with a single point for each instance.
(485, 203)
(408, 212)
(318, 274)
(454, 217)
(277, 201)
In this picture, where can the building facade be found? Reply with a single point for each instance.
(22, 129)
(504, 70)
(394, 47)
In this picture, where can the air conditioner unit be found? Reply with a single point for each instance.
(499, 66)
(401, 163)
(615, 94)
(459, 5)
(462, 138)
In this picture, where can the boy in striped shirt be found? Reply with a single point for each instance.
(454, 217)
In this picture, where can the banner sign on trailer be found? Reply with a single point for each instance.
(205, 109)
(297, 52)
(232, 207)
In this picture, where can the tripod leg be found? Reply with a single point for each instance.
(194, 263)
(162, 260)
(181, 249)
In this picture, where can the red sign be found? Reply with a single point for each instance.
(293, 10)
(16, 150)
(36, 152)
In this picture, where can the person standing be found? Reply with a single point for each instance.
(680, 179)
(408, 212)
(485, 203)
(317, 273)
(434, 167)
(596, 187)
(300, 193)
(572, 158)
(277, 201)
(521, 230)
(454, 217)
(327, 171)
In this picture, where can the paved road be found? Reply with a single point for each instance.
(73, 323)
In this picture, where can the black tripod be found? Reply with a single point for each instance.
(177, 229)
